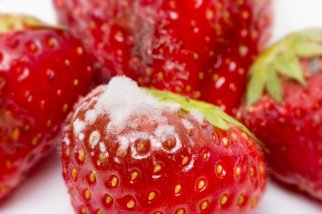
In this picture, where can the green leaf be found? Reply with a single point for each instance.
(307, 49)
(311, 34)
(288, 65)
(10, 23)
(274, 86)
(256, 84)
(213, 114)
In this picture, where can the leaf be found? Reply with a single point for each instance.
(288, 65)
(307, 49)
(312, 34)
(274, 86)
(256, 84)
(213, 114)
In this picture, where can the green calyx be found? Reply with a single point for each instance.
(282, 59)
(12, 23)
(211, 113)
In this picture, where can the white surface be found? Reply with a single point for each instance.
(45, 193)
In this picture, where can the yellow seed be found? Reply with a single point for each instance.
(99, 212)
(251, 171)
(219, 169)
(130, 204)
(65, 107)
(80, 51)
(67, 151)
(177, 188)
(76, 82)
(160, 75)
(253, 202)
(210, 14)
(185, 160)
(240, 200)
(114, 181)
(223, 200)
(34, 141)
(92, 177)
(48, 123)
(121, 153)
(244, 135)
(64, 170)
(204, 205)
(108, 199)
(151, 196)
(234, 136)
(74, 173)
(195, 56)
(201, 184)
(81, 156)
(204, 156)
(172, 5)
(261, 168)
(134, 175)
(157, 168)
(225, 142)
(180, 211)
(3, 188)
(237, 171)
(87, 194)
(201, 75)
(102, 159)
(141, 146)
(8, 164)
(83, 210)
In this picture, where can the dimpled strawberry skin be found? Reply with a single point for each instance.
(197, 169)
(201, 49)
(43, 71)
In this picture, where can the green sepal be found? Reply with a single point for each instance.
(11, 23)
(213, 114)
(282, 59)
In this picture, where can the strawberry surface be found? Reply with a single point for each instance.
(126, 150)
(284, 109)
(43, 71)
(201, 49)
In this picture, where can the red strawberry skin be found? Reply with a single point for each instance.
(213, 170)
(201, 49)
(43, 71)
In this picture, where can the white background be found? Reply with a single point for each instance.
(45, 193)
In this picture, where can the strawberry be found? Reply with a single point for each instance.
(130, 150)
(201, 49)
(43, 71)
(284, 100)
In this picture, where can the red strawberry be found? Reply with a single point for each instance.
(130, 150)
(284, 109)
(201, 49)
(43, 71)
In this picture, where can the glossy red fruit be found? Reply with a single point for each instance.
(129, 150)
(201, 49)
(284, 109)
(43, 71)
